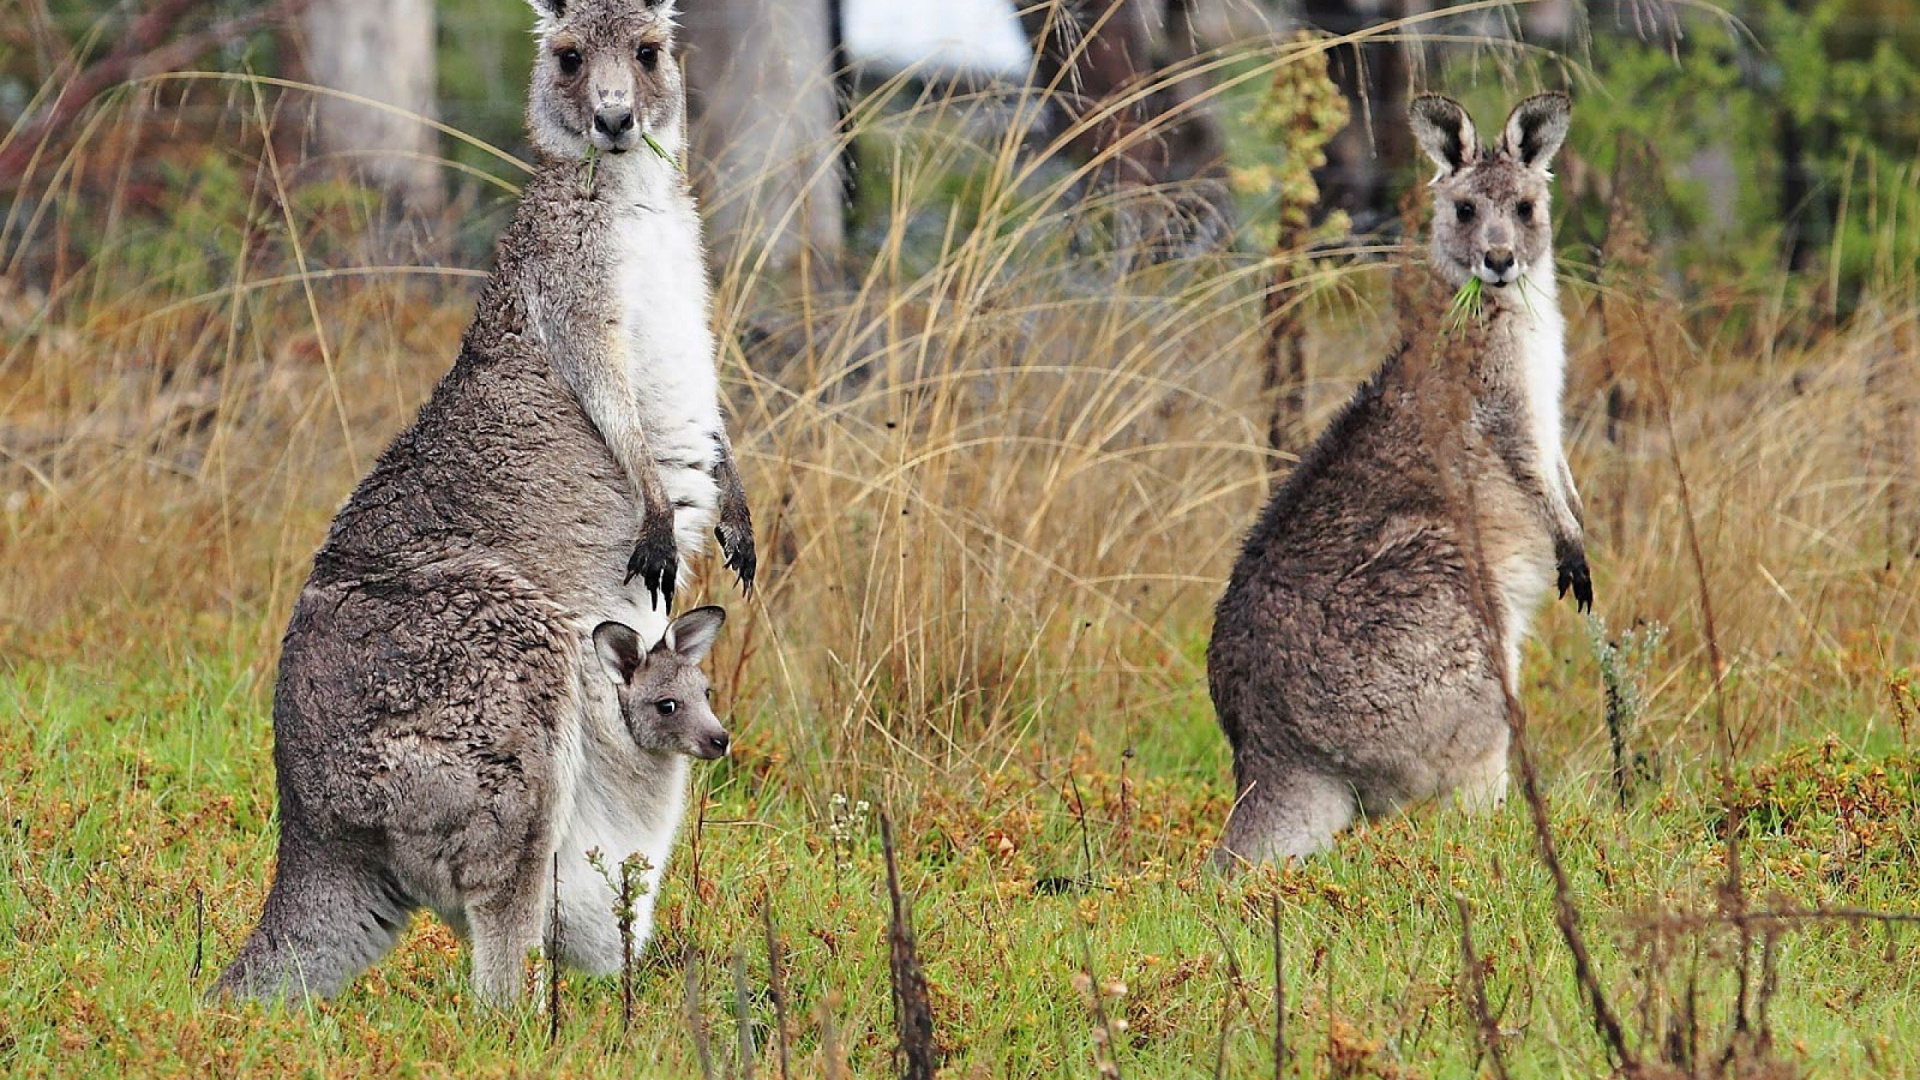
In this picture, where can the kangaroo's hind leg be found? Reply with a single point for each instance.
(332, 911)
(507, 924)
(1282, 813)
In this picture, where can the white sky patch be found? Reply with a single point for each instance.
(934, 36)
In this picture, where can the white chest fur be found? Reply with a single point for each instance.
(660, 274)
(1543, 365)
(1540, 360)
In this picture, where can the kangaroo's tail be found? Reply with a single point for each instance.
(329, 915)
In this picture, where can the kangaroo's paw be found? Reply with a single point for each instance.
(655, 560)
(1574, 575)
(736, 545)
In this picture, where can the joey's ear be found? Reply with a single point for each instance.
(549, 9)
(1445, 131)
(692, 635)
(1536, 128)
(619, 649)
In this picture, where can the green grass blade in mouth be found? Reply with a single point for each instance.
(1468, 303)
(1526, 295)
(660, 150)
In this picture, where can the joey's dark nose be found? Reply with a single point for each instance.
(718, 744)
(615, 123)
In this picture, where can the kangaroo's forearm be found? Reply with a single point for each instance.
(735, 529)
(589, 364)
(1574, 505)
(733, 494)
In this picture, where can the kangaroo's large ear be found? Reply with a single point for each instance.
(692, 635)
(619, 649)
(1445, 131)
(1536, 128)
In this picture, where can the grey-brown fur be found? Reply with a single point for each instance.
(442, 727)
(1356, 664)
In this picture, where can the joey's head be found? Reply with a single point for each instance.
(607, 75)
(663, 693)
(1490, 203)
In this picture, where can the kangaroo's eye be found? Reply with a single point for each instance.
(649, 56)
(569, 61)
(1463, 210)
(667, 706)
(1524, 210)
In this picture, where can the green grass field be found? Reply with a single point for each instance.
(137, 796)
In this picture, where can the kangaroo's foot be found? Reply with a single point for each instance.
(1483, 789)
(1290, 814)
(329, 915)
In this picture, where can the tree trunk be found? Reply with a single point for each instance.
(1097, 52)
(382, 50)
(1368, 159)
(764, 113)
(1107, 62)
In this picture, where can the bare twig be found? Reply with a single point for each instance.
(199, 932)
(553, 957)
(1729, 745)
(1106, 1050)
(776, 983)
(830, 1042)
(742, 1019)
(626, 949)
(1086, 840)
(912, 1013)
(144, 50)
(1279, 998)
(1476, 978)
(696, 1014)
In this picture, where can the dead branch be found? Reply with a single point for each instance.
(145, 50)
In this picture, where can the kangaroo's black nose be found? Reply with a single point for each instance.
(719, 743)
(613, 122)
(1499, 262)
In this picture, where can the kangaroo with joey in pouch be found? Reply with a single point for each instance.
(1370, 633)
(447, 722)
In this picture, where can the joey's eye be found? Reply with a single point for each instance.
(649, 56)
(709, 693)
(569, 61)
(1463, 210)
(667, 706)
(1524, 210)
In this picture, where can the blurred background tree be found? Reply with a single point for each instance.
(382, 51)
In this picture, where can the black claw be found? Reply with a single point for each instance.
(1575, 576)
(737, 546)
(655, 562)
